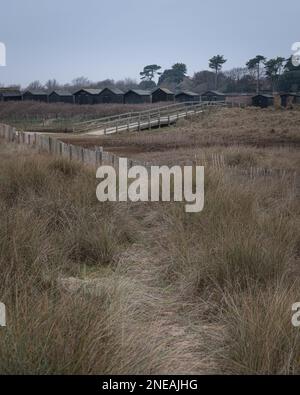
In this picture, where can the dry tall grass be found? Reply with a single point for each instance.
(241, 257)
(228, 126)
(31, 113)
(91, 288)
(244, 137)
(54, 234)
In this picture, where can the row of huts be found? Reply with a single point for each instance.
(139, 96)
(264, 100)
(111, 95)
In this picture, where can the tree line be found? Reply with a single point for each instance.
(259, 74)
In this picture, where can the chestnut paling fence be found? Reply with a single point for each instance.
(97, 156)
(91, 157)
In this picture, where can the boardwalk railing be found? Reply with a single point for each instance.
(156, 115)
(145, 119)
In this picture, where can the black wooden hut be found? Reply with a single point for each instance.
(10, 95)
(186, 96)
(111, 95)
(59, 96)
(263, 100)
(162, 94)
(137, 96)
(87, 96)
(213, 96)
(35, 95)
(291, 98)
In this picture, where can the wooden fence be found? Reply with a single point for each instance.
(91, 157)
(97, 156)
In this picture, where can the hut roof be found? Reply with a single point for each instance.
(187, 93)
(140, 92)
(11, 94)
(9, 90)
(217, 93)
(290, 94)
(36, 92)
(116, 91)
(89, 90)
(165, 90)
(61, 93)
(268, 96)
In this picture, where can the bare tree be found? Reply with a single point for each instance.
(237, 73)
(127, 83)
(35, 85)
(52, 85)
(80, 82)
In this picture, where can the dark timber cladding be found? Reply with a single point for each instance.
(35, 96)
(187, 96)
(162, 94)
(213, 96)
(10, 95)
(263, 100)
(87, 96)
(111, 95)
(59, 96)
(137, 96)
(289, 99)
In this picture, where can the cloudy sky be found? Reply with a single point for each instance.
(100, 39)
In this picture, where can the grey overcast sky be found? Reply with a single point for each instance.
(101, 39)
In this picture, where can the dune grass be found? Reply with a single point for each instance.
(97, 288)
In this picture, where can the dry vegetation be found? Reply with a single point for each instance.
(243, 137)
(30, 113)
(90, 288)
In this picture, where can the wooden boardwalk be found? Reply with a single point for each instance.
(144, 120)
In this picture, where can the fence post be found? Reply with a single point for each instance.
(50, 144)
(13, 134)
(100, 156)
